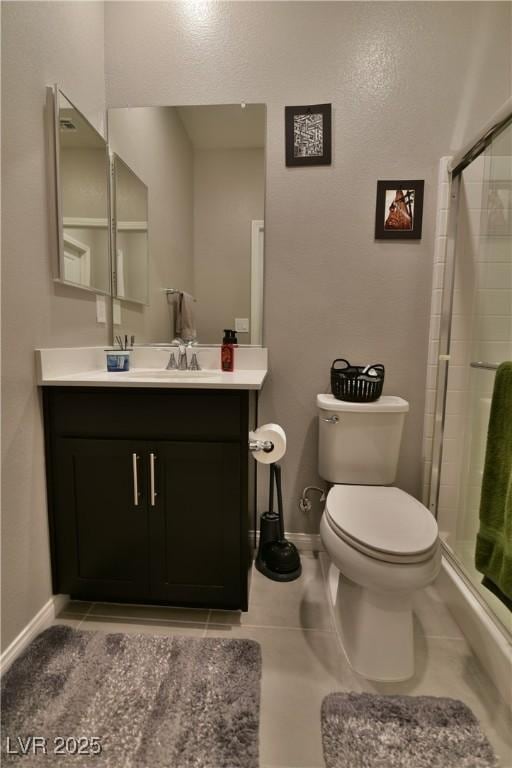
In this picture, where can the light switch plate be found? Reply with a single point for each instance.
(117, 312)
(242, 324)
(101, 309)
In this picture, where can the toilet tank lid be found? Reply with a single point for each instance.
(385, 404)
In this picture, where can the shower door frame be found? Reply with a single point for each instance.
(501, 121)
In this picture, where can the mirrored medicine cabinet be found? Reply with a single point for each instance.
(80, 164)
(100, 206)
(171, 206)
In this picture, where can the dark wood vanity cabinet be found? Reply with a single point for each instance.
(151, 494)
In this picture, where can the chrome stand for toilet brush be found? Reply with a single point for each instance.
(277, 558)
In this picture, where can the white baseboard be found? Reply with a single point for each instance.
(305, 542)
(41, 621)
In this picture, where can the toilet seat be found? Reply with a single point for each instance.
(382, 522)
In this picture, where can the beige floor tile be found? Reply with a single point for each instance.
(324, 561)
(149, 612)
(76, 608)
(69, 622)
(132, 626)
(300, 667)
(299, 603)
(433, 615)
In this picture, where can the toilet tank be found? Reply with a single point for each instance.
(359, 443)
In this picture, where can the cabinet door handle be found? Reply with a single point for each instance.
(135, 468)
(153, 494)
(331, 420)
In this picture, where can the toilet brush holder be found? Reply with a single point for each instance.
(277, 558)
(269, 531)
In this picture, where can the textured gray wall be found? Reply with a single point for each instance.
(42, 43)
(409, 82)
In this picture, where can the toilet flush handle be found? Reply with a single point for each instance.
(331, 420)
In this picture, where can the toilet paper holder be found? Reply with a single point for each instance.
(267, 443)
(261, 445)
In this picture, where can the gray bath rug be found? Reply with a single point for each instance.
(149, 701)
(364, 730)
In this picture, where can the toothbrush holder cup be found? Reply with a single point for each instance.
(118, 360)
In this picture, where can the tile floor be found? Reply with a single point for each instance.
(303, 659)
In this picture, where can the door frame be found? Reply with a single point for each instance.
(257, 280)
(80, 251)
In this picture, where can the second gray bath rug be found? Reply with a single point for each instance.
(364, 730)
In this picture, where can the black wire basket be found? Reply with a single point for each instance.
(356, 383)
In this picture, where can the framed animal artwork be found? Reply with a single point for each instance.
(399, 210)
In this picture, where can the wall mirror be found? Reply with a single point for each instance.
(79, 176)
(204, 167)
(130, 207)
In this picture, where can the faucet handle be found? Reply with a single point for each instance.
(182, 359)
(194, 363)
(171, 365)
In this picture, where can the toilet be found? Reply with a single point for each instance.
(382, 543)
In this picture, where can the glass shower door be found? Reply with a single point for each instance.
(481, 338)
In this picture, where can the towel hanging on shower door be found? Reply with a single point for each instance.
(493, 556)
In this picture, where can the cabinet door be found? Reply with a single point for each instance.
(195, 524)
(101, 519)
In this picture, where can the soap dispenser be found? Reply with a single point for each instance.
(227, 353)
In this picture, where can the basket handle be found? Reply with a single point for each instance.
(376, 366)
(340, 360)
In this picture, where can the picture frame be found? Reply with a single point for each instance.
(399, 209)
(308, 135)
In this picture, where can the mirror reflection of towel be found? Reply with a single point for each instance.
(184, 324)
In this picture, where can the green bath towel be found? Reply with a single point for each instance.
(493, 555)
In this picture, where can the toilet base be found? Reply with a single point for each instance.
(376, 628)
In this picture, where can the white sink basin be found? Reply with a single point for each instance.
(152, 373)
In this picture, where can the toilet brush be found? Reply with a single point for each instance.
(277, 558)
(269, 521)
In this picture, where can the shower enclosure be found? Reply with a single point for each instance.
(475, 336)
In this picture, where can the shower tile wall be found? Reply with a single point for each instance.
(481, 330)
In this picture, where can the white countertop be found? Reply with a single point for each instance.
(86, 366)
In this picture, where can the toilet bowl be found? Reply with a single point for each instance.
(382, 543)
(373, 576)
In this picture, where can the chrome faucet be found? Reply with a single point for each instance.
(183, 364)
(182, 359)
(171, 365)
(194, 363)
